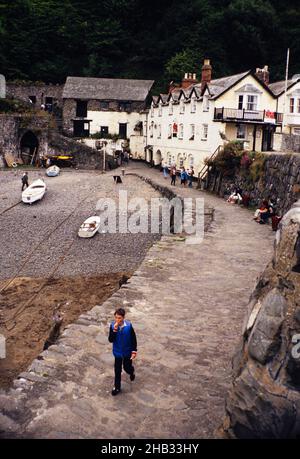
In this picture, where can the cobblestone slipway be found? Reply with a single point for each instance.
(187, 304)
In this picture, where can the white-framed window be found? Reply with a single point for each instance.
(160, 109)
(192, 132)
(169, 160)
(252, 102)
(180, 136)
(170, 108)
(152, 111)
(204, 131)
(297, 131)
(191, 160)
(292, 104)
(205, 103)
(241, 131)
(151, 129)
(170, 131)
(193, 105)
(182, 106)
(159, 131)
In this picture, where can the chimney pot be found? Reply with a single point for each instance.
(206, 73)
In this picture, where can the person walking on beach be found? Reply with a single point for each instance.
(25, 180)
(123, 337)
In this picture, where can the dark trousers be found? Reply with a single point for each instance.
(24, 184)
(173, 180)
(128, 367)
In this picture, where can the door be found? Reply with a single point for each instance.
(267, 138)
(81, 128)
(123, 130)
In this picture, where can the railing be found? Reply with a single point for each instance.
(234, 114)
(205, 168)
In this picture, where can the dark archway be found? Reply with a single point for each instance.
(29, 146)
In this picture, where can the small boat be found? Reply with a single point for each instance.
(89, 227)
(53, 171)
(34, 192)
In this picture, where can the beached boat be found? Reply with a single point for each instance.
(89, 227)
(34, 192)
(53, 171)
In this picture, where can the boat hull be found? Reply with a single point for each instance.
(89, 227)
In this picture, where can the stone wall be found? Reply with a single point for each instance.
(279, 181)
(13, 127)
(40, 91)
(264, 401)
(84, 157)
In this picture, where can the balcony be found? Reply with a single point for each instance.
(227, 115)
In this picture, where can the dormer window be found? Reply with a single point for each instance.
(182, 106)
(205, 103)
(251, 102)
(152, 111)
(193, 105)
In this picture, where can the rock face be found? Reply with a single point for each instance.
(264, 401)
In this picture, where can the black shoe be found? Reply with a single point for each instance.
(115, 391)
(132, 377)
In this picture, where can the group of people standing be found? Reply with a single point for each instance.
(186, 175)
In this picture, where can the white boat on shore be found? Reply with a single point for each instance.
(89, 227)
(53, 171)
(34, 192)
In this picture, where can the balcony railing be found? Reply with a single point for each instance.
(234, 114)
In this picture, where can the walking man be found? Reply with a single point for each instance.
(122, 335)
(25, 180)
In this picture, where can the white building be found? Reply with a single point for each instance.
(193, 121)
(289, 103)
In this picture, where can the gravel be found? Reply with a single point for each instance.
(37, 242)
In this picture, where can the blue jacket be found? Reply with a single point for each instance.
(124, 340)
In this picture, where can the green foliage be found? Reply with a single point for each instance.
(257, 166)
(50, 39)
(228, 159)
(14, 106)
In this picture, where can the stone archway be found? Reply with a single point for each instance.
(29, 145)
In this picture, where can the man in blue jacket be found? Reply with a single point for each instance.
(122, 335)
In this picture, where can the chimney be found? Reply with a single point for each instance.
(206, 73)
(263, 74)
(188, 80)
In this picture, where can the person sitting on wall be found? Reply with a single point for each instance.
(262, 214)
(235, 197)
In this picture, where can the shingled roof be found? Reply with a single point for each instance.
(219, 86)
(279, 87)
(106, 89)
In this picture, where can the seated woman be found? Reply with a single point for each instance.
(235, 197)
(262, 214)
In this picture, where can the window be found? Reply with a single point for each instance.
(251, 102)
(182, 107)
(193, 105)
(181, 162)
(170, 131)
(152, 111)
(175, 129)
(298, 106)
(104, 130)
(297, 131)
(170, 108)
(205, 104)
(123, 130)
(204, 131)
(191, 160)
(169, 160)
(151, 128)
(104, 105)
(81, 108)
(241, 131)
(159, 131)
(124, 106)
(160, 109)
(192, 127)
(292, 104)
(180, 131)
(241, 100)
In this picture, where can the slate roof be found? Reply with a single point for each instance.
(218, 86)
(279, 87)
(106, 89)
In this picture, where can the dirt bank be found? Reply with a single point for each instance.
(26, 313)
